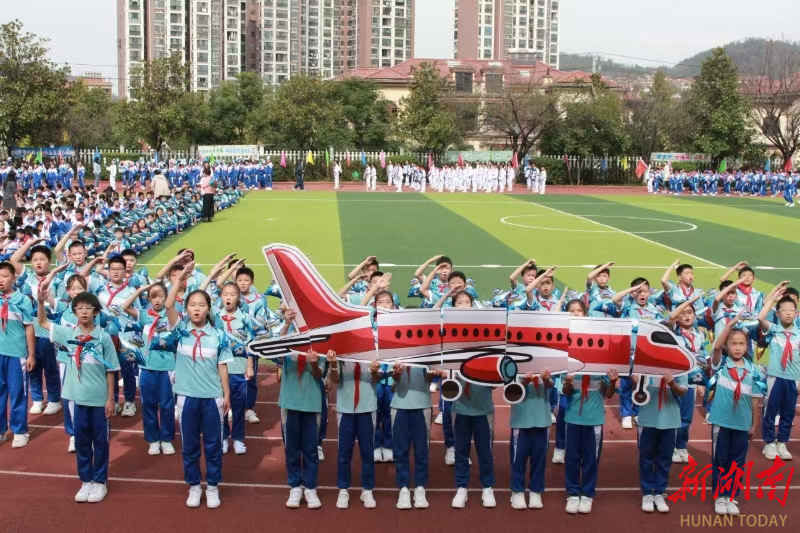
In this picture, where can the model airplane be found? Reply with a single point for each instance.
(487, 346)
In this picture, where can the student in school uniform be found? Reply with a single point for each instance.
(659, 422)
(735, 390)
(356, 410)
(530, 432)
(17, 356)
(300, 401)
(89, 388)
(585, 417)
(201, 387)
(783, 372)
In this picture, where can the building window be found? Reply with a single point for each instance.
(494, 83)
(464, 82)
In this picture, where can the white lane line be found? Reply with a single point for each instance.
(322, 487)
(628, 233)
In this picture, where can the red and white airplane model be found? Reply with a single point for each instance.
(487, 346)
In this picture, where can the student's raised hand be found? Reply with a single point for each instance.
(312, 357)
(738, 316)
(636, 288)
(289, 315)
(635, 378)
(385, 280)
(374, 366)
(398, 368)
(442, 373)
(435, 258)
(186, 273)
(569, 379)
(740, 264)
(330, 356)
(675, 264)
(668, 378)
(44, 291)
(369, 260)
(441, 267)
(549, 271)
(612, 374)
(546, 374)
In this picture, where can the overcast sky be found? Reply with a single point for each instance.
(670, 31)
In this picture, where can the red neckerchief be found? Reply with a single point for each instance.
(82, 340)
(357, 384)
(688, 334)
(228, 319)
(301, 366)
(198, 335)
(737, 393)
(4, 311)
(112, 292)
(747, 291)
(688, 295)
(255, 297)
(584, 391)
(787, 350)
(662, 391)
(728, 312)
(156, 319)
(546, 304)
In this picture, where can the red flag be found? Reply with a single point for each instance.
(514, 162)
(460, 160)
(430, 161)
(641, 168)
(787, 167)
(60, 157)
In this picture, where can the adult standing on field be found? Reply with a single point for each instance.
(207, 189)
(10, 193)
(97, 170)
(298, 175)
(542, 180)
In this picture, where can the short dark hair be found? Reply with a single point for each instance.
(5, 265)
(117, 260)
(725, 284)
(444, 260)
(683, 267)
(87, 298)
(42, 249)
(76, 244)
(376, 274)
(745, 270)
(457, 274)
(245, 271)
(786, 299)
(577, 301)
(639, 281)
(542, 272)
(530, 268)
(791, 291)
(127, 252)
(76, 277)
(604, 271)
(459, 293)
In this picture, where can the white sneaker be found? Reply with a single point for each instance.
(129, 409)
(420, 501)
(439, 419)
(154, 449)
(368, 499)
(20, 441)
(312, 500)
(647, 504)
(71, 446)
(585, 506)
(343, 501)
(770, 451)
(83, 494)
(460, 500)
(239, 448)
(98, 493)
(487, 497)
(121, 382)
(661, 503)
(52, 408)
(167, 448)
(535, 501)
(295, 497)
(37, 408)
(518, 500)
(404, 499)
(434, 387)
(230, 415)
(777, 420)
(636, 420)
(320, 454)
(251, 417)
(225, 446)
(684, 455)
(553, 419)
(378, 455)
(721, 506)
(676, 457)
(627, 422)
(705, 420)
(195, 493)
(388, 455)
(450, 456)
(733, 508)
(573, 502)
(783, 453)
(558, 456)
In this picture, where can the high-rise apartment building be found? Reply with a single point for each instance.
(375, 33)
(491, 29)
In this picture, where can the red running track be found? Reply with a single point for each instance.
(38, 484)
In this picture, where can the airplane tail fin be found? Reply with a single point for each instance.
(304, 290)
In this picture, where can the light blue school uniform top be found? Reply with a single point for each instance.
(16, 312)
(89, 359)
(300, 390)
(663, 411)
(30, 280)
(412, 391)
(111, 295)
(155, 332)
(676, 295)
(729, 412)
(752, 301)
(346, 389)
(778, 339)
(586, 408)
(475, 400)
(534, 410)
(538, 303)
(199, 352)
(238, 326)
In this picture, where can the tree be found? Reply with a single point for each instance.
(774, 90)
(720, 111)
(652, 116)
(523, 112)
(32, 89)
(231, 107)
(366, 111)
(303, 114)
(424, 120)
(89, 118)
(157, 112)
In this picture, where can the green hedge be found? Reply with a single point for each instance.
(556, 170)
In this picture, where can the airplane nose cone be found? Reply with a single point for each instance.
(507, 369)
(574, 365)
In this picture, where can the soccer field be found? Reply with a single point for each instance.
(487, 236)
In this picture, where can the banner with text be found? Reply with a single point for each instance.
(230, 150)
(663, 157)
(52, 152)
